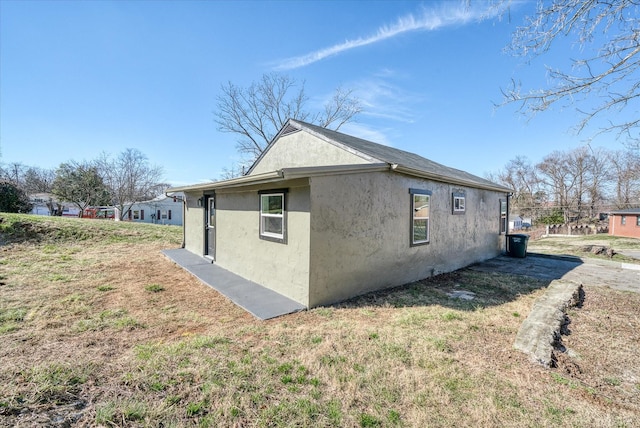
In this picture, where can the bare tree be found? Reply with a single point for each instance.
(257, 112)
(130, 178)
(520, 175)
(340, 109)
(626, 172)
(13, 172)
(236, 170)
(576, 183)
(599, 180)
(578, 162)
(557, 176)
(608, 72)
(578, 180)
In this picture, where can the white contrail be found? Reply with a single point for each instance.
(429, 20)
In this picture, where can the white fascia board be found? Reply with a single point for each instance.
(283, 174)
(240, 181)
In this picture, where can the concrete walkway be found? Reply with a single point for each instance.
(260, 301)
(631, 253)
(586, 271)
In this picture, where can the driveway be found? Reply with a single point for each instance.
(588, 272)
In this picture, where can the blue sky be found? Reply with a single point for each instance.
(81, 78)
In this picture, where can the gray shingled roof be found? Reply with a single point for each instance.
(626, 211)
(392, 155)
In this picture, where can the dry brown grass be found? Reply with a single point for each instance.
(108, 332)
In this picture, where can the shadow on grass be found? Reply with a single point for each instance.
(493, 282)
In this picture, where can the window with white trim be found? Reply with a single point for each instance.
(623, 220)
(272, 216)
(420, 214)
(458, 202)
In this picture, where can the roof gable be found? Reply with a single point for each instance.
(296, 147)
(370, 152)
(353, 155)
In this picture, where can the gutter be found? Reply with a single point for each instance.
(448, 179)
(258, 178)
(506, 226)
(316, 171)
(283, 174)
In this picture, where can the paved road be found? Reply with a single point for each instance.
(585, 271)
(631, 253)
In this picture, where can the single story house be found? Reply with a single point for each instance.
(625, 223)
(323, 216)
(42, 203)
(515, 223)
(48, 204)
(161, 210)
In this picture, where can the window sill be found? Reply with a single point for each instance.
(280, 240)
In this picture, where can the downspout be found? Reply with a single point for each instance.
(184, 216)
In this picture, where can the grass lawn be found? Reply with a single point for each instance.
(98, 328)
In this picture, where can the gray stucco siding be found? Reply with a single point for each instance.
(360, 233)
(301, 149)
(194, 224)
(282, 267)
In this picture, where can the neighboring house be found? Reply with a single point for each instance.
(323, 216)
(516, 223)
(625, 223)
(48, 204)
(41, 203)
(161, 210)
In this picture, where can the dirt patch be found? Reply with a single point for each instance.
(601, 348)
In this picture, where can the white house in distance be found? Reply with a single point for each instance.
(48, 204)
(323, 216)
(161, 210)
(515, 223)
(40, 203)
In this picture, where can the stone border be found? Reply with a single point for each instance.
(539, 335)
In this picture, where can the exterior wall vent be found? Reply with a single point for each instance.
(289, 130)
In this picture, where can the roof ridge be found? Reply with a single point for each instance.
(392, 155)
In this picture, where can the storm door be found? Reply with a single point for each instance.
(210, 232)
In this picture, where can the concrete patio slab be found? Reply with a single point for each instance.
(260, 301)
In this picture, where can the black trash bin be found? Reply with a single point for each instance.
(517, 245)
